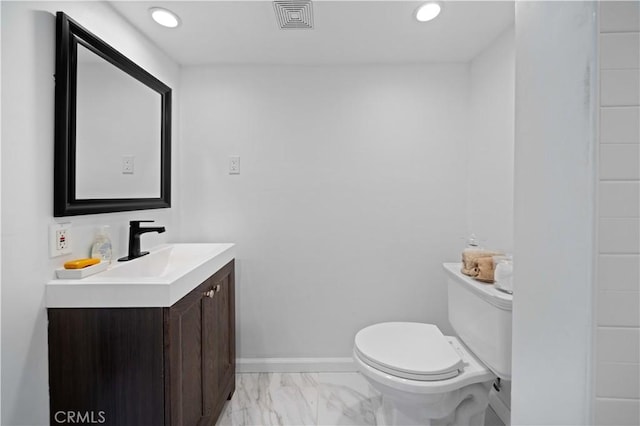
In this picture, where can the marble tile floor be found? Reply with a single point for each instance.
(297, 399)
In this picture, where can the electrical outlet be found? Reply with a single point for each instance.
(59, 239)
(234, 164)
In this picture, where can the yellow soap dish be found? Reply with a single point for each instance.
(81, 263)
(76, 274)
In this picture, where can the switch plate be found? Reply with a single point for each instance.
(59, 239)
(127, 164)
(234, 164)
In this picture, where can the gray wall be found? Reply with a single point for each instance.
(28, 61)
(351, 195)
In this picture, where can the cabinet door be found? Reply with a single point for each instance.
(187, 339)
(219, 325)
(106, 366)
(201, 334)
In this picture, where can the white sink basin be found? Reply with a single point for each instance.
(161, 262)
(160, 278)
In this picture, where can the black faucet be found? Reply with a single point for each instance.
(134, 238)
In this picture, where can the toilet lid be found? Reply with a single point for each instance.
(411, 350)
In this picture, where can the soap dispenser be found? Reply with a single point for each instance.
(101, 248)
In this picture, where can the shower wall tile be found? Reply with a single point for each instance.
(619, 16)
(620, 87)
(621, 412)
(618, 272)
(620, 50)
(619, 309)
(618, 345)
(619, 199)
(620, 125)
(619, 235)
(619, 162)
(612, 380)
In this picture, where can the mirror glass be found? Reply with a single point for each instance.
(117, 132)
(113, 128)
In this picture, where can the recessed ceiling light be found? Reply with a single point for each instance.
(428, 11)
(164, 17)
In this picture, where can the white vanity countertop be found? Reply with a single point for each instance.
(159, 279)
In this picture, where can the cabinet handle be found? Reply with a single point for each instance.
(212, 292)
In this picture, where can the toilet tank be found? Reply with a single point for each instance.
(481, 316)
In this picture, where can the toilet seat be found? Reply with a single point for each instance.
(408, 350)
(472, 371)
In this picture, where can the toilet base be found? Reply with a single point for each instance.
(462, 407)
(461, 400)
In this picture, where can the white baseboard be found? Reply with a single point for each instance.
(500, 408)
(294, 365)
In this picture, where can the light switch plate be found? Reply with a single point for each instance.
(234, 164)
(128, 162)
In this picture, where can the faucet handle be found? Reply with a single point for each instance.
(138, 222)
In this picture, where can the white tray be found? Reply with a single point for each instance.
(76, 274)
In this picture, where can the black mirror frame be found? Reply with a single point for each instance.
(68, 34)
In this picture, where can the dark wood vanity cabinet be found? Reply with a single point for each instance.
(145, 366)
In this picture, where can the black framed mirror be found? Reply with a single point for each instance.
(112, 128)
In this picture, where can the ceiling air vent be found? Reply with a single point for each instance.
(294, 14)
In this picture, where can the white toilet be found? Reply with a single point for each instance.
(426, 378)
